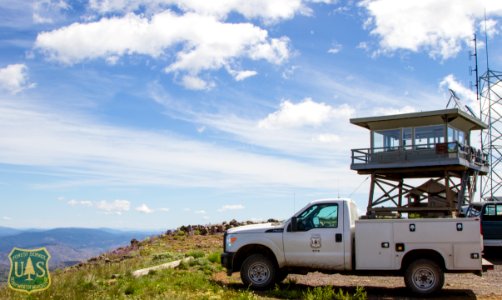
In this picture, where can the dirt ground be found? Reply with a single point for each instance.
(457, 286)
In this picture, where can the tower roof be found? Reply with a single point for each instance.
(454, 116)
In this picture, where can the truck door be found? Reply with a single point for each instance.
(318, 240)
(491, 221)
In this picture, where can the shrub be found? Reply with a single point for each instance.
(319, 293)
(129, 290)
(214, 257)
(196, 253)
(328, 293)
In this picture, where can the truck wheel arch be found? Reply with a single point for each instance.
(415, 255)
(248, 250)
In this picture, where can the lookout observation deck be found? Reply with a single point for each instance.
(434, 145)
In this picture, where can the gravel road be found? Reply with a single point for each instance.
(457, 286)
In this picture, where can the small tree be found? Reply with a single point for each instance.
(29, 270)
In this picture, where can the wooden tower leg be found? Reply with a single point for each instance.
(463, 185)
(372, 191)
(400, 198)
(449, 194)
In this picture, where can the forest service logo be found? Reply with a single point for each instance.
(29, 270)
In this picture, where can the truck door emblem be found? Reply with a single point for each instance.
(315, 241)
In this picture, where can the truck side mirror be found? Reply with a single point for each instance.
(294, 224)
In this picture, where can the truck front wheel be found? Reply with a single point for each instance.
(424, 277)
(258, 272)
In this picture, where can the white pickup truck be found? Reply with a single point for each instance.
(327, 236)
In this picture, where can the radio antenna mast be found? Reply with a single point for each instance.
(476, 74)
(490, 103)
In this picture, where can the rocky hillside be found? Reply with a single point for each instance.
(67, 246)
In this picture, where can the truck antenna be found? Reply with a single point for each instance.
(294, 202)
(355, 190)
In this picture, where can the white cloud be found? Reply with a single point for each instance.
(289, 72)
(276, 51)
(490, 27)
(86, 153)
(323, 1)
(114, 207)
(305, 113)
(74, 202)
(231, 207)
(438, 27)
(268, 10)
(5, 218)
(363, 45)
(47, 11)
(112, 60)
(164, 209)
(200, 212)
(450, 82)
(328, 143)
(205, 43)
(328, 138)
(469, 98)
(385, 111)
(241, 75)
(196, 83)
(143, 208)
(109, 207)
(335, 48)
(14, 78)
(301, 142)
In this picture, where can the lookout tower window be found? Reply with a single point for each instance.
(455, 135)
(427, 137)
(385, 140)
(407, 138)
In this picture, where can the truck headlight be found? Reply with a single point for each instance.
(231, 239)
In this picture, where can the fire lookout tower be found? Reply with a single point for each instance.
(420, 163)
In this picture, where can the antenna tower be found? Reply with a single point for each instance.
(489, 88)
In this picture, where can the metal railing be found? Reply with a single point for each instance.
(419, 153)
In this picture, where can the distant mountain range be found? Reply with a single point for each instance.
(6, 231)
(67, 246)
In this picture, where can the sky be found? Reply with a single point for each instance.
(155, 114)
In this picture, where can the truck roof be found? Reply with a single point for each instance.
(329, 200)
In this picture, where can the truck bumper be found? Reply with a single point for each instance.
(492, 243)
(227, 259)
(487, 265)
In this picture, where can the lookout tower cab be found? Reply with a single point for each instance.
(420, 163)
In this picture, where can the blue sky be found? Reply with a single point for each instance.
(154, 114)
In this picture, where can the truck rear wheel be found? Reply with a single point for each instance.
(424, 277)
(258, 272)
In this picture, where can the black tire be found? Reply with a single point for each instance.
(258, 272)
(424, 277)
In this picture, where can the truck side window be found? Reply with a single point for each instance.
(474, 211)
(328, 217)
(492, 212)
(318, 216)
